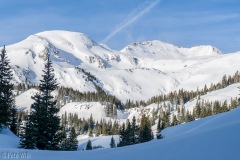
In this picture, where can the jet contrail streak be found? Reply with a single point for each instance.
(132, 19)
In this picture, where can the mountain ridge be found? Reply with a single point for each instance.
(145, 71)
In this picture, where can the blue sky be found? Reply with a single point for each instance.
(118, 23)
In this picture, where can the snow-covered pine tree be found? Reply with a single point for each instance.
(6, 96)
(44, 110)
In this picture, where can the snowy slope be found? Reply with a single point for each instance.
(85, 109)
(139, 71)
(214, 137)
(228, 93)
(24, 100)
(103, 141)
(8, 140)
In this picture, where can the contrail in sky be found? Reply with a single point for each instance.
(133, 16)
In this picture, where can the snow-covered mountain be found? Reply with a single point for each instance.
(160, 50)
(138, 72)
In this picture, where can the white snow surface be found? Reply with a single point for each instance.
(24, 100)
(8, 139)
(85, 110)
(139, 71)
(103, 141)
(221, 95)
(214, 137)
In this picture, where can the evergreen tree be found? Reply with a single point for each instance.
(13, 123)
(44, 112)
(128, 133)
(197, 110)
(159, 124)
(70, 143)
(145, 131)
(112, 143)
(134, 131)
(122, 136)
(64, 144)
(73, 140)
(6, 96)
(233, 103)
(89, 145)
(216, 107)
(115, 128)
(114, 111)
(28, 139)
(91, 126)
(159, 135)
(174, 121)
(19, 126)
(224, 107)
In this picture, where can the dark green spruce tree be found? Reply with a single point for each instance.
(13, 119)
(89, 145)
(122, 136)
(145, 131)
(159, 129)
(134, 131)
(47, 120)
(6, 87)
(44, 116)
(112, 143)
(70, 143)
(28, 139)
(73, 140)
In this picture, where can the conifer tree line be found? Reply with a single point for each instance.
(89, 126)
(208, 108)
(182, 96)
(66, 95)
(202, 109)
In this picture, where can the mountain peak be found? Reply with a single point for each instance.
(161, 50)
(68, 37)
